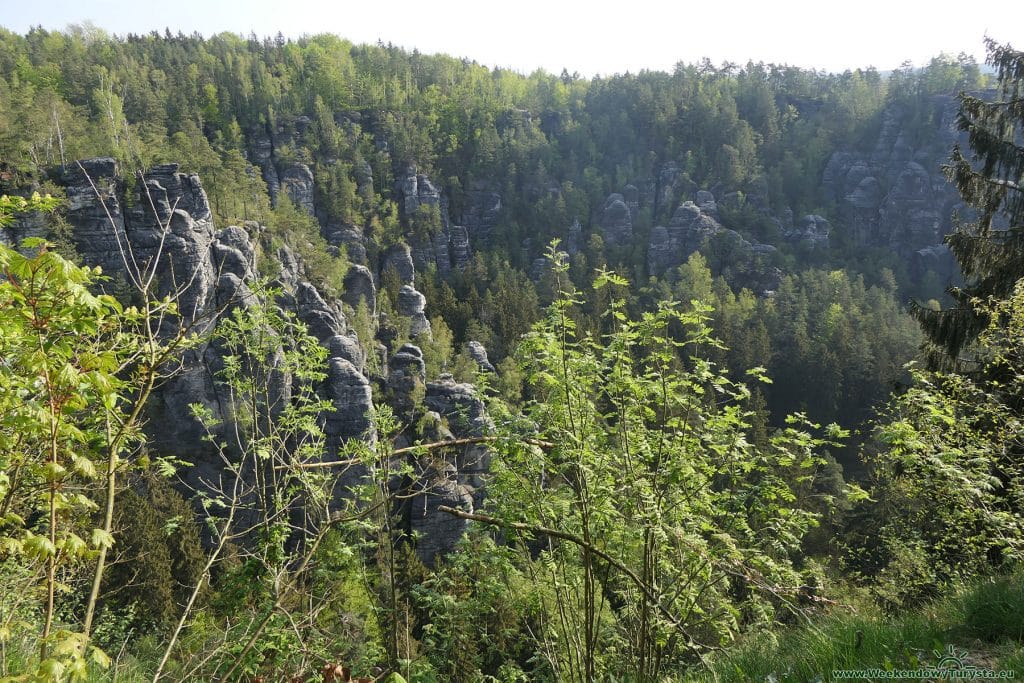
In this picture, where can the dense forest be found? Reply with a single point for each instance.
(322, 359)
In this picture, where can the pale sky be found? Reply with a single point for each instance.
(596, 37)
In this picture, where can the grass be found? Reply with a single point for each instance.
(984, 619)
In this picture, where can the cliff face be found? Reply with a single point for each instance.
(164, 227)
(891, 193)
(888, 192)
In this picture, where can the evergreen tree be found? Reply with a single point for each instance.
(990, 251)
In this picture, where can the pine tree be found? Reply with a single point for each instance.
(990, 250)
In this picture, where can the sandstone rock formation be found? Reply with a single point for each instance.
(297, 182)
(358, 287)
(412, 304)
(478, 353)
(615, 222)
(893, 194)
(812, 232)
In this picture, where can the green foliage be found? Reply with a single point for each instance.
(947, 465)
(992, 609)
(479, 589)
(826, 324)
(949, 457)
(160, 557)
(685, 532)
(291, 226)
(989, 250)
(61, 394)
(672, 513)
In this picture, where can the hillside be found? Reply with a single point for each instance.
(602, 369)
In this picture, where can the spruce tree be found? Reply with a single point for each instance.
(990, 250)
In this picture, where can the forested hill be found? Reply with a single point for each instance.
(328, 357)
(768, 170)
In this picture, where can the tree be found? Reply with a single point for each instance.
(990, 250)
(948, 473)
(61, 401)
(949, 480)
(78, 369)
(661, 530)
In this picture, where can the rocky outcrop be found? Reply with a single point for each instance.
(743, 263)
(688, 229)
(478, 353)
(263, 156)
(351, 238)
(574, 238)
(167, 231)
(412, 304)
(435, 482)
(482, 208)
(297, 182)
(364, 180)
(910, 213)
(350, 394)
(812, 232)
(447, 246)
(668, 193)
(406, 377)
(399, 259)
(167, 228)
(466, 416)
(323, 320)
(458, 244)
(893, 193)
(631, 196)
(705, 201)
(416, 190)
(233, 252)
(32, 224)
(615, 222)
(358, 287)
(92, 192)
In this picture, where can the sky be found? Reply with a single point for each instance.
(596, 37)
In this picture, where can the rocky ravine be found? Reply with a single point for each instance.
(176, 236)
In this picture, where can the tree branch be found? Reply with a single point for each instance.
(437, 445)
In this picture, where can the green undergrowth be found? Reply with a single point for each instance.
(981, 625)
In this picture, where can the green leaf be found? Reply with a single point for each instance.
(51, 669)
(40, 546)
(74, 545)
(99, 657)
(102, 539)
(83, 466)
(856, 494)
